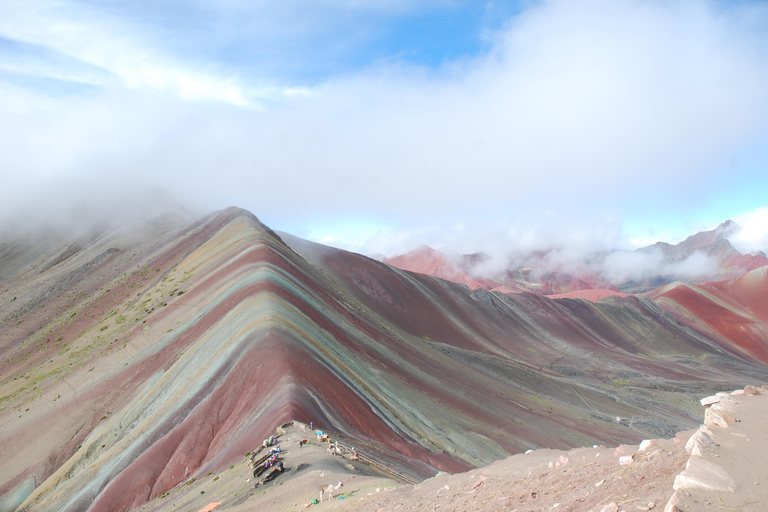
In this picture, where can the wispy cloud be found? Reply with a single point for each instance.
(72, 36)
(231, 51)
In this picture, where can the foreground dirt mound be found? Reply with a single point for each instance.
(577, 480)
(720, 466)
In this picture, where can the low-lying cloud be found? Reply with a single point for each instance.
(622, 266)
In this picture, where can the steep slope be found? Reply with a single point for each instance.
(172, 356)
(614, 341)
(734, 312)
(592, 295)
(200, 383)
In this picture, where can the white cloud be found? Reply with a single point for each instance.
(753, 235)
(228, 51)
(624, 104)
(696, 265)
(102, 42)
(621, 266)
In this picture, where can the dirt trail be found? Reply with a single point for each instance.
(577, 480)
(718, 467)
(727, 470)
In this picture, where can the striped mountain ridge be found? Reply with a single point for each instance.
(542, 272)
(177, 353)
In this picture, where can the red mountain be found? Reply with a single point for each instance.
(533, 276)
(536, 274)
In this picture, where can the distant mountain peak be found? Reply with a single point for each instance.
(727, 229)
(702, 257)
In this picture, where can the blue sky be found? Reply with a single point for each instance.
(381, 125)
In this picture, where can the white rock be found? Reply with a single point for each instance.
(717, 418)
(673, 502)
(699, 441)
(699, 473)
(625, 460)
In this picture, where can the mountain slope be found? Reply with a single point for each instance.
(733, 311)
(174, 355)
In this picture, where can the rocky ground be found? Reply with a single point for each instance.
(717, 467)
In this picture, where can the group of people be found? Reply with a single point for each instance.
(272, 460)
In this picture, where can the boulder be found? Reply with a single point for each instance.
(699, 441)
(718, 418)
(702, 474)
